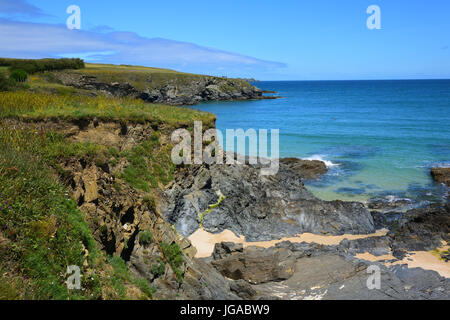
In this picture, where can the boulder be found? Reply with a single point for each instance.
(441, 175)
(257, 265)
(306, 169)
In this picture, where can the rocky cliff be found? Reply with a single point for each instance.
(173, 91)
(148, 230)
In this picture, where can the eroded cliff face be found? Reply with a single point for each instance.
(145, 231)
(173, 92)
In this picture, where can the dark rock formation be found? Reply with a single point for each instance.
(257, 265)
(311, 271)
(380, 203)
(421, 229)
(193, 91)
(258, 207)
(441, 175)
(306, 169)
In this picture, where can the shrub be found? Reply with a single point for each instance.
(145, 237)
(149, 199)
(158, 269)
(122, 275)
(19, 75)
(174, 256)
(5, 83)
(32, 66)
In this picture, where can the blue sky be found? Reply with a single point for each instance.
(268, 40)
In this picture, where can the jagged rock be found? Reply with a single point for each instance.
(257, 265)
(89, 178)
(258, 207)
(224, 249)
(202, 88)
(306, 169)
(243, 289)
(421, 229)
(388, 204)
(441, 175)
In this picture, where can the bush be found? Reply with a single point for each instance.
(158, 269)
(32, 66)
(5, 83)
(174, 256)
(19, 75)
(145, 237)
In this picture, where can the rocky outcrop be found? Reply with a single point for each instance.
(441, 175)
(258, 207)
(257, 265)
(306, 169)
(187, 92)
(316, 272)
(420, 229)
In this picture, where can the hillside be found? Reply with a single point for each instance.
(149, 84)
(86, 179)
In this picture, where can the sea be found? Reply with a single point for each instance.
(379, 139)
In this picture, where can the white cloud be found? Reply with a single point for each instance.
(34, 40)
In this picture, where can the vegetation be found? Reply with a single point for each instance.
(174, 257)
(18, 75)
(145, 237)
(210, 208)
(5, 83)
(149, 166)
(158, 269)
(29, 105)
(32, 66)
(121, 275)
(41, 229)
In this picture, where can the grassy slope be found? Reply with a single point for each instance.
(142, 78)
(41, 229)
(28, 105)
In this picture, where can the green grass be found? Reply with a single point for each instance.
(150, 165)
(145, 237)
(142, 78)
(174, 257)
(41, 229)
(37, 106)
(37, 65)
(121, 275)
(45, 231)
(158, 269)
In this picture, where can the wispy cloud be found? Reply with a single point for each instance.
(34, 40)
(17, 8)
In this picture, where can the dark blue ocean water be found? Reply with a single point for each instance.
(378, 137)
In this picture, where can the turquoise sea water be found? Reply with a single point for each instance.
(379, 138)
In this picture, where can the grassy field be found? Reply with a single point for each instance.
(139, 77)
(29, 105)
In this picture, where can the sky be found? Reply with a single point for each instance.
(266, 40)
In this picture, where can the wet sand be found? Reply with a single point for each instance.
(204, 241)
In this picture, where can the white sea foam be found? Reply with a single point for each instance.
(328, 163)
